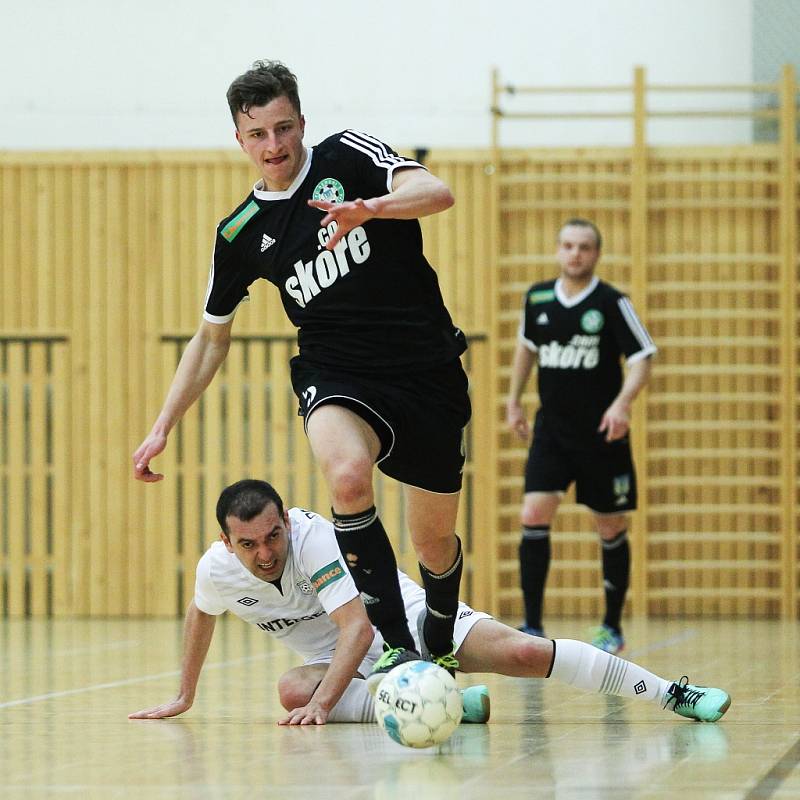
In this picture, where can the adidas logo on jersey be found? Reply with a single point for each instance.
(543, 319)
(266, 242)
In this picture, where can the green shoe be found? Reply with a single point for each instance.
(696, 702)
(448, 661)
(392, 657)
(476, 704)
(605, 638)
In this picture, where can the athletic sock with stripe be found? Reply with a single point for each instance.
(586, 667)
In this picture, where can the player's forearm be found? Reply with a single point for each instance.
(520, 372)
(198, 631)
(199, 363)
(351, 648)
(421, 195)
(635, 381)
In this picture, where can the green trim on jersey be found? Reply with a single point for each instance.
(534, 298)
(231, 230)
(327, 575)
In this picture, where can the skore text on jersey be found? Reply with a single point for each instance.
(313, 277)
(582, 351)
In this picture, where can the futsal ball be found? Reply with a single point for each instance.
(418, 704)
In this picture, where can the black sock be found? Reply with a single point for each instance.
(372, 563)
(534, 562)
(441, 602)
(616, 577)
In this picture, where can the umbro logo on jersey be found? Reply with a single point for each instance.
(247, 601)
(640, 688)
(266, 242)
(543, 319)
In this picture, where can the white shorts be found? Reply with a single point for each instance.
(414, 600)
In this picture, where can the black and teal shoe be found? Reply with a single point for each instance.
(702, 703)
(476, 704)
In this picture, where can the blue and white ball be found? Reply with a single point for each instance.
(418, 704)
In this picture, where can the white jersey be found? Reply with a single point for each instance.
(315, 582)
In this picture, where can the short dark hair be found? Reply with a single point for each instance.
(260, 85)
(580, 222)
(245, 500)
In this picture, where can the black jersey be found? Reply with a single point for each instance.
(373, 302)
(579, 342)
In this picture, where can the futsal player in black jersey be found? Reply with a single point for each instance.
(577, 329)
(378, 376)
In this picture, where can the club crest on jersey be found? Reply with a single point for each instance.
(329, 190)
(305, 586)
(592, 321)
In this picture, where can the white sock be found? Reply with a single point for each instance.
(355, 705)
(586, 667)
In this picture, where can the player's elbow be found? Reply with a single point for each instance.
(365, 633)
(360, 635)
(213, 334)
(446, 199)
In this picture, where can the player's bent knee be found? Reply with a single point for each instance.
(294, 692)
(610, 527)
(350, 482)
(539, 509)
(532, 654)
(435, 548)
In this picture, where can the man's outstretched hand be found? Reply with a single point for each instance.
(148, 449)
(171, 709)
(347, 216)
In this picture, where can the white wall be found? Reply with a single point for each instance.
(153, 73)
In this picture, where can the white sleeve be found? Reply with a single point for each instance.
(206, 596)
(322, 562)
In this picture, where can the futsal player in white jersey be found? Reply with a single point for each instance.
(281, 570)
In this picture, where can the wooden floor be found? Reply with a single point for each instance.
(67, 686)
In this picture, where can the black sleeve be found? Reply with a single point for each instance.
(630, 334)
(227, 283)
(373, 161)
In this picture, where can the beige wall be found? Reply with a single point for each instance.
(104, 267)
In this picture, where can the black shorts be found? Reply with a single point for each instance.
(418, 417)
(603, 472)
